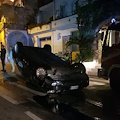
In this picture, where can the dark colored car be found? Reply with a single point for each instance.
(47, 71)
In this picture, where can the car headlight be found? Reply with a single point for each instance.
(57, 83)
(40, 72)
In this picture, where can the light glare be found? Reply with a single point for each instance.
(12, 0)
(113, 20)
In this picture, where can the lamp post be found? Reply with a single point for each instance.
(12, 0)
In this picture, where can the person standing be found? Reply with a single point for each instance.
(3, 53)
(10, 55)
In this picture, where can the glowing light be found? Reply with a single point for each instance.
(3, 19)
(12, 0)
(113, 20)
(92, 67)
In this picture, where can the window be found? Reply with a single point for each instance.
(57, 14)
(62, 11)
(75, 46)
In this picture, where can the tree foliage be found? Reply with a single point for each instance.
(90, 15)
(96, 11)
(8, 12)
(16, 17)
(84, 40)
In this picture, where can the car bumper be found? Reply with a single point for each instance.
(67, 85)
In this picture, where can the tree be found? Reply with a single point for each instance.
(24, 16)
(8, 12)
(16, 17)
(90, 15)
(93, 13)
(84, 40)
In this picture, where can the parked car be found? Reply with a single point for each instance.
(47, 71)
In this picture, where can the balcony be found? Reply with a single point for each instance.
(65, 23)
(37, 29)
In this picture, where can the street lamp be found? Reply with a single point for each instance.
(12, 0)
(113, 20)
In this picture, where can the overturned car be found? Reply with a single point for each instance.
(48, 72)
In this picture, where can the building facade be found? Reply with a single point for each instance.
(13, 30)
(59, 21)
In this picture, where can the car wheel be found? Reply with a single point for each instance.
(79, 66)
(17, 47)
(115, 80)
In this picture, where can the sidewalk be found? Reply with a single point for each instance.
(8, 72)
(95, 78)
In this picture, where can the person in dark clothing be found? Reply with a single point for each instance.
(3, 53)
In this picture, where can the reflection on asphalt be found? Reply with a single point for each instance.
(64, 110)
(111, 105)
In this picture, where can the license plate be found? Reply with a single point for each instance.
(74, 87)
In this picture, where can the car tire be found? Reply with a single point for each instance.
(79, 65)
(18, 47)
(115, 80)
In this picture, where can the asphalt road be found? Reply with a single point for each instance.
(16, 100)
(17, 103)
